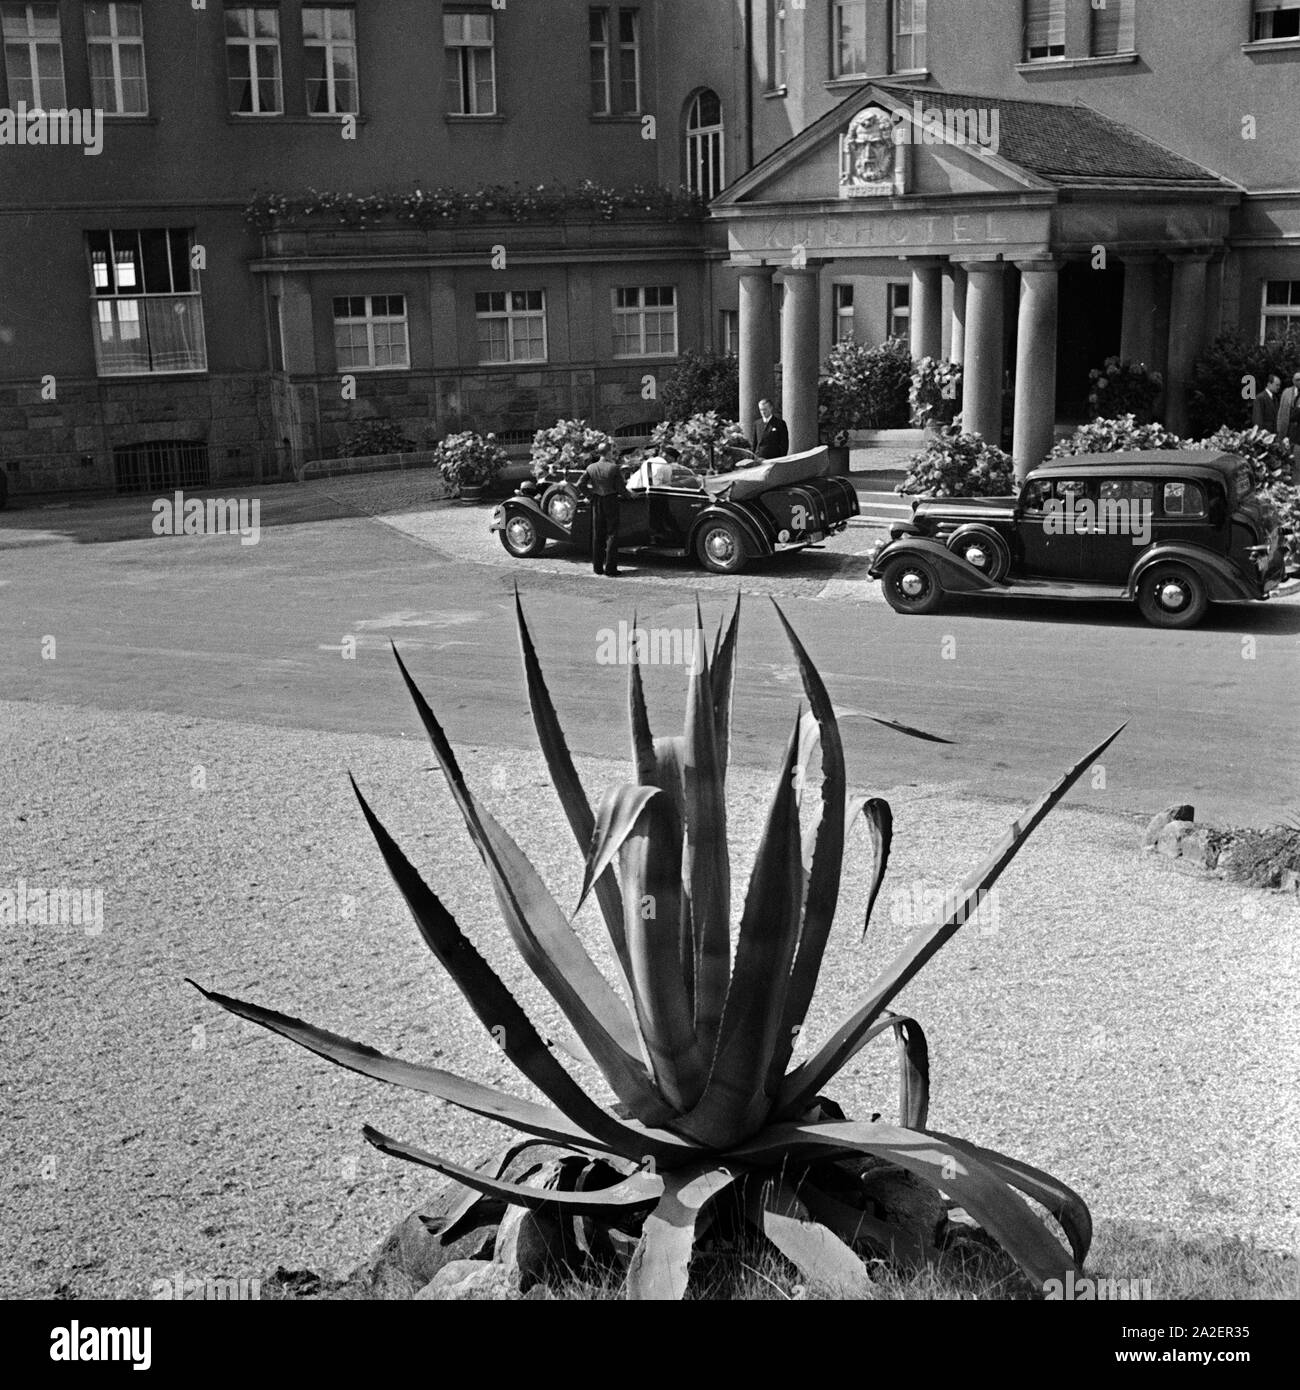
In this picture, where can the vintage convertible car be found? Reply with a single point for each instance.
(723, 521)
(1171, 530)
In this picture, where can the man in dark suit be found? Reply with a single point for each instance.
(771, 437)
(1288, 421)
(1266, 404)
(603, 482)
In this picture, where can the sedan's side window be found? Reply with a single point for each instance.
(1128, 490)
(1184, 500)
(1036, 495)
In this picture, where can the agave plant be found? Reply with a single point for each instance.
(708, 1112)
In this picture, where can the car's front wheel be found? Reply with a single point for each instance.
(521, 537)
(911, 585)
(1172, 596)
(561, 504)
(720, 547)
(982, 547)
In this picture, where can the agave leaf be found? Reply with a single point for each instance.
(564, 776)
(640, 1190)
(499, 1012)
(670, 777)
(959, 1173)
(546, 940)
(724, 679)
(806, 1080)
(523, 1115)
(643, 741)
(476, 1208)
(913, 1072)
(706, 868)
(651, 880)
(859, 1227)
(823, 887)
(619, 809)
(734, 1101)
(814, 1250)
(660, 1265)
(1062, 1201)
(880, 825)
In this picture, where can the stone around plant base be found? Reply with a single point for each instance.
(1169, 842)
(463, 1280)
(1198, 848)
(412, 1254)
(901, 1198)
(528, 1243)
(1158, 823)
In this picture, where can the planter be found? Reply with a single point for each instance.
(471, 493)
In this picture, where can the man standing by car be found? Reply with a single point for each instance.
(1267, 404)
(603, 483)
(771, 437)
(1288, 421)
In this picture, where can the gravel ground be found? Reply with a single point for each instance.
(1124, 1025)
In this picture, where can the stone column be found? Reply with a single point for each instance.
(982, 391)
(1138, 337)
(957, 352)
(1035, 417)
(1186, 333)
(927, 306)
(799, 361)
(757, 352)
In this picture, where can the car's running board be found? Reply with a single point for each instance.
(1059, 588)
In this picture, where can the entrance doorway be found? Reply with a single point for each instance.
(1089, 331)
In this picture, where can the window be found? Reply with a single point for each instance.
(849, 38)
(899, 309)
(1127, 490)
(1044, 29)
(146, 307)
(1281, 311)
(1184, 500)
(776, 41)
(704, 157)
(645, 321)
(615, 67)
(908, 36)
(471, 63)
(511, 326)
(843, 297)
(370, 333)
(34, 56)
(253, 61)
(1274, 19)
(115, 49)
(329, 46)
(1113, 28)
(730, 336)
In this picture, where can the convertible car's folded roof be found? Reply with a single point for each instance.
(784, 472)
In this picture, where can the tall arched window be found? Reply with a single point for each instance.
(705, 173)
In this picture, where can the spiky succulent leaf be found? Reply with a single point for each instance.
(805, 1081)
(814, 1250)
(618, 812)
(880, 825)
(856, 1227)
(913, 1072)
(660, 1266)
(724, 679)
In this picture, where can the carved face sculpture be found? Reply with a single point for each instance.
(870, 143)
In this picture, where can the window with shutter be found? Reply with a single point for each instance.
(1044, 29)
(1276, 19)
(1114, 28)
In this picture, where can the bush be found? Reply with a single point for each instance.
(1268, 456)
(567, 445)
(1217, 394)
(1124, 388)
(701, 441)
(703, 382)
(960, 465)
(369, 438)
(935, 394)
(469, 459)
(864, 388)
(1116, 436)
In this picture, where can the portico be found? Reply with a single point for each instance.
(982, 235)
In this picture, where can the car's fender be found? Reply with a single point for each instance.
(1224, 582)
(513, 505)
(958, 575)
(757, 544)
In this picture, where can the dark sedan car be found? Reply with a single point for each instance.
(723, 521)
(1169, 530)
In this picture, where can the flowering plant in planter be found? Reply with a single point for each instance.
(568, 446)
(469, 459)
(1120, 435)
(702, 441)
(954, 464)
(936, 391)
(1124, 388)
(863, 388)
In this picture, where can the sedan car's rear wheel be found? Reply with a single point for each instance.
(560, 503)
(1172, 596)
(982, 547)
(911, 585)
(521, 537)
(720, 547)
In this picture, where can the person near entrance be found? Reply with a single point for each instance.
(1288, 421)
(1267, 404)
(603, 482)
(771, 437)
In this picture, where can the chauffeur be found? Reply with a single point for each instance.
(603, 483)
